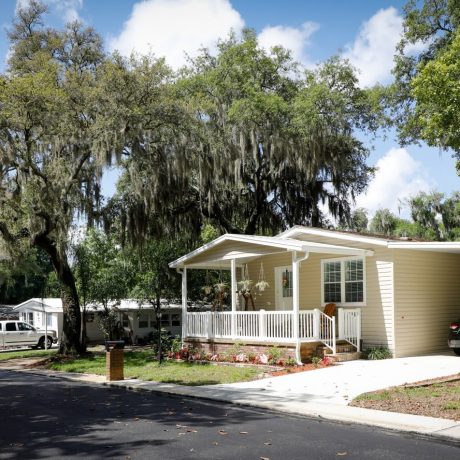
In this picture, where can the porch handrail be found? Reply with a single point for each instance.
(327, 330)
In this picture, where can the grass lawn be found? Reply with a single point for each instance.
(26, 354)
(139, 364)
(433, 399)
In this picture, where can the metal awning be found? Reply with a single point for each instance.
(244, 248)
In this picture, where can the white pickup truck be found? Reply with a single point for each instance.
(20, 334)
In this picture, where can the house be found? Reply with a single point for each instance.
(399, 294)
(47, 312)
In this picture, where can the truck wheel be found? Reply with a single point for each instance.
(457, 351)
(41, 343)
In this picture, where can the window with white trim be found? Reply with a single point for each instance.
(343, 281)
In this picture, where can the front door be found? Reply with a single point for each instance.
(283, 288)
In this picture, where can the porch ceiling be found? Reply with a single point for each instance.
(244, 248)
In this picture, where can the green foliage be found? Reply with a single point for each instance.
(378, 353)
(315, 360)
(426, 89)
(108, 322)
(52, 152)
(255, 150)
(359, 221)
(104, 273)
(165, 342)
(28, 274)
(275, 354)
(383, 222)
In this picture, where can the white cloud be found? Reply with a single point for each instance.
(292, 38)
(398, 176)
(374, 47)
(67, 9)
(172, 28)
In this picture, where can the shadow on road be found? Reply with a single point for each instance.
(43, 417)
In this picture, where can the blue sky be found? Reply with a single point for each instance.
(364, 31)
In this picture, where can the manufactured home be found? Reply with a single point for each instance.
(138, 320)
(398, 294)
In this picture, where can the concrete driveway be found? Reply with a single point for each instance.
(341, 383)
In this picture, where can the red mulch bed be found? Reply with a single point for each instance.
(295, 369)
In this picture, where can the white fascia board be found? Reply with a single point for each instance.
(294, 231)
(441, 246)
(320, 248)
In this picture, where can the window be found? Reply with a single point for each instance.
(89, 317)
(343, 281)
(125, 320)
(165, 320)
(10, 327)
(25, 327)
(153, 320)
(30, 318)
(175, 319)
(143, 319)
(332, 282)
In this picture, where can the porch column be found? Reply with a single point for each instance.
(296, 301)
(233, 295)
(184, 304)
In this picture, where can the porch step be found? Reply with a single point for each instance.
(339, 348)
(342, 357)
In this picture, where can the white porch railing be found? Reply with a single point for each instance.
(350, 326)
(274, 326)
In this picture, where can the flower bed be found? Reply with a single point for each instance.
(274, 363)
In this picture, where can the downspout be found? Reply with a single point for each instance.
(296, 261)
(183, 272)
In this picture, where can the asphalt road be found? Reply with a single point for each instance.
(42, 417)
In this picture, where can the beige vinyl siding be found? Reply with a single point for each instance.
(427, 298)
(377, 314)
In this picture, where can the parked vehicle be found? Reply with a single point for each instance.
(454, 337)
(19, 334)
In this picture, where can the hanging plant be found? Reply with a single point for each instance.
(207, 288)
(262, 283)
(245, 285)
(221, 289)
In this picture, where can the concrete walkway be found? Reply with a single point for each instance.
(321, 393)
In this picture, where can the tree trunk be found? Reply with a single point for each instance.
(70, 343)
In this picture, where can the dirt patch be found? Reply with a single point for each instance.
(433, 398)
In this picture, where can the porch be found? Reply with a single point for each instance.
(285, 321)
(275, 327)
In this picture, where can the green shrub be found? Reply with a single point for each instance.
(378, 353)
(275, 354)
(315, 361)
(166, 341)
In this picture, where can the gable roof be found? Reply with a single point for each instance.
(219, 252)
(452, 247)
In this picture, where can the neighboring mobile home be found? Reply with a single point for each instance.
(399, 294)
(140, 321)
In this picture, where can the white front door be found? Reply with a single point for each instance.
(283, 288)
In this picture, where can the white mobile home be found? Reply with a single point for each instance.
(138, 320)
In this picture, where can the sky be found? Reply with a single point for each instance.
(363, 31)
